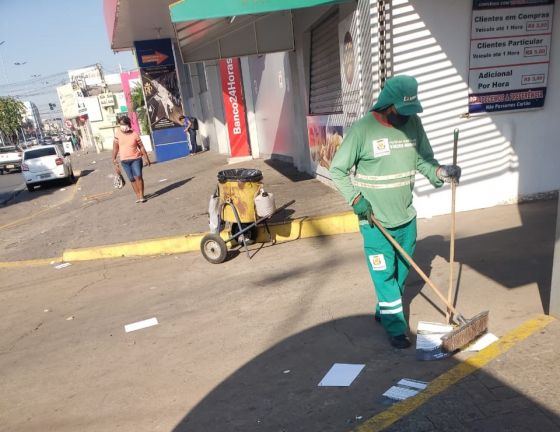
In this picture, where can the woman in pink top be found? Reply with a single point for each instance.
(128, 146)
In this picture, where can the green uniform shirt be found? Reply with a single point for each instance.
(386, 160)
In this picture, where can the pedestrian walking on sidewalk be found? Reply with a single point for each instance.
(128, 146)
(387, 146)
(74, 141)
(78, 139)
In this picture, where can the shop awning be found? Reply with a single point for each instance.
(214, 29)
(191, 10)
(133, 20)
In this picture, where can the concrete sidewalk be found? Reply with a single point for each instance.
(178, 193)
(516, 391)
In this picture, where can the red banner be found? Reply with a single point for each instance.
(234, 106)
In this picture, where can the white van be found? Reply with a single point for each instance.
(44, 164)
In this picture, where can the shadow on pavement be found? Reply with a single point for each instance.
(282, 215)
(168, 188)
(288, 170)
(512, 257)
(6, 197)
(278, 390)
(480, 402)
(23, 195)
(86, 172)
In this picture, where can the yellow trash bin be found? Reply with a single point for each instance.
(239, 187)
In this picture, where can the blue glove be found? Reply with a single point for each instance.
(362, 208)
(449, 173)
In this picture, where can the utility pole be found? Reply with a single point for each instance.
(103, 82)
(4, 73)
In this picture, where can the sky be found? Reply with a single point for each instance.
(50, 37)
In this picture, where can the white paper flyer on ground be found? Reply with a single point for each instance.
(428, 340)
(140, 325)
(405, 388)
(482, 342)
(341, 375)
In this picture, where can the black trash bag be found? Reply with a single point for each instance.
(240, 175)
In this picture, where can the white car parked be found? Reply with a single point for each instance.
(10, 159)
(44, 164)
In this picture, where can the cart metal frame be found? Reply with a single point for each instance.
(215, 241)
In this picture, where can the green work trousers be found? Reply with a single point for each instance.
(388, 271)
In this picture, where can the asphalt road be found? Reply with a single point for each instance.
(10, 185)
(240, 346)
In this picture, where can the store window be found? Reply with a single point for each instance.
(325, 93)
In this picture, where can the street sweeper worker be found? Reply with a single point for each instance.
(387, 147)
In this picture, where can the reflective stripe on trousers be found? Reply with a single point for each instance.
(389, 271)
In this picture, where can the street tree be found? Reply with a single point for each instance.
(11, 117)
(139, 107)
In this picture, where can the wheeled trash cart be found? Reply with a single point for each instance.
(240, 205)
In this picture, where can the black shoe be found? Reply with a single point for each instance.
(377, 319)
(400, 341)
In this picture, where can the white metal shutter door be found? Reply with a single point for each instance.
(325, 93)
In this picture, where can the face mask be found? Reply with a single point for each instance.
(124, 128)
(397, 119)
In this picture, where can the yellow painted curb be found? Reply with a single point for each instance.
(386, 418)
(286, 231)
(159, 246)
(30, 263)
(340, 223)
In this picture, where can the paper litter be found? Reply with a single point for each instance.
(341, 375)
(141, 325)
(404, 389)
(428, 340)
(482, 342)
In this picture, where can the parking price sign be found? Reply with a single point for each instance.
(509, 56)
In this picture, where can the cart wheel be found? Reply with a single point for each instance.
(213, 248)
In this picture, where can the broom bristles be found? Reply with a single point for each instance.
(465, 333)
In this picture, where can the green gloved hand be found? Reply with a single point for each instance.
(362, 208)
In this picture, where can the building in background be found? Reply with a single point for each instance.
(309, 68)
(32, 120)
(74, 110)
(91, 104)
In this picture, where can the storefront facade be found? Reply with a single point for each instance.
(300, 100)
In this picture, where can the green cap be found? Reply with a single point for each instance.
(401, 91)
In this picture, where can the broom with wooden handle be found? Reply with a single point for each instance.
(467, 329)
(452, 238)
